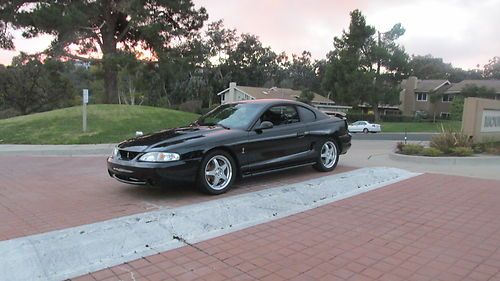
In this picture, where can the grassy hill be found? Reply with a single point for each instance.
(106, 123)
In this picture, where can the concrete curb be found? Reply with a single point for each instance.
(56, 150)
(450, 160)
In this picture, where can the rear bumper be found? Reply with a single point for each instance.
(134, 172)
(345, 143)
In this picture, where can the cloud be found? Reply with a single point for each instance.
(462, 32)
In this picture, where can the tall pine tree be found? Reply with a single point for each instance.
(88, 27)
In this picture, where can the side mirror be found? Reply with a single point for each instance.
(265, 125)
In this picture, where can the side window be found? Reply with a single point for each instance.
(306, 115)
(281, 115)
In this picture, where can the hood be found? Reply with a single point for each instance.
(168, 137)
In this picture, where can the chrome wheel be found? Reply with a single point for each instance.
(218, 172)
(328, 154)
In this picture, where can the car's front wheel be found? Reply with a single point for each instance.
(217, 172)
(328, 156)
(365, 130)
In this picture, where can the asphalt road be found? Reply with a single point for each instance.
(394, 136)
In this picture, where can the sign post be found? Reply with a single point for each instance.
(84, 110)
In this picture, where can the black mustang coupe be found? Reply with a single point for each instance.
(243, 138)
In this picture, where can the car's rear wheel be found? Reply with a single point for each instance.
(217, 172)
(365, 130)
(328, 156)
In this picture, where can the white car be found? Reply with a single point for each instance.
(365, 127)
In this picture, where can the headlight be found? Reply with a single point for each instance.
(159, 157)
(115, 154)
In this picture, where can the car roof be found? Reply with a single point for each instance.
(271, 102)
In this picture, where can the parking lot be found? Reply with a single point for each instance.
(427, 227)
(41, 194)
(431, 227)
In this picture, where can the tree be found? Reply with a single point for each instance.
(366, 66)
(105, 26)
(301, 73)
(251, 64)
(5, 37)
(457, 108)
(492, 69)
(30, 86)
(306, 96)
(470, 90)
(429, 67)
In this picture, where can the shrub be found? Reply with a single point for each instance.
(447, 140)
(412, 149)
(490, 147)
(431, 151)
(399, 147)
(462, 151)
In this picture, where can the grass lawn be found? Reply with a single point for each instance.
(105, 124)
(393, 127)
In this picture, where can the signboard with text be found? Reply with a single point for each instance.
(85, 96)
(481, 119)
(490, 121)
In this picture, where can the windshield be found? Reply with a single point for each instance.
(232, 116)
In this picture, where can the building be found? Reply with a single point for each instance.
(434, 97)
(238, 93)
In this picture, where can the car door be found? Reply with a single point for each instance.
(284, 144)
(355, 127)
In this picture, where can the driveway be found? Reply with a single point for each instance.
(428, 227)
(40, 194)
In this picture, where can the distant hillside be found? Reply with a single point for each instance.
(106, 123)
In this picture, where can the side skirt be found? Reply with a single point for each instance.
(276, 170)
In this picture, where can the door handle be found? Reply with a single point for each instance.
(301, 134)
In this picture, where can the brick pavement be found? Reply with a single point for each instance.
(431, 227)
(40, 194)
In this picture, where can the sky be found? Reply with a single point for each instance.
(462, 32)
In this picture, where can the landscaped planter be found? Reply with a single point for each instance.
(448, 160)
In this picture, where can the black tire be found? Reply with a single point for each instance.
(321, 164)
(208, 165)
(365, 130)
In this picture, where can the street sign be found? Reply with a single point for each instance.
(84, 109)
(85, 96)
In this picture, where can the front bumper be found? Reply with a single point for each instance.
(135, 172)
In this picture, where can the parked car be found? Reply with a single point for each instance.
(236, 139)
(365, 127)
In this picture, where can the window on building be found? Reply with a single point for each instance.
(447, 98)
(421, 97)
(223, 97)
(445, 115)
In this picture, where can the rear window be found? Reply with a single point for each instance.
(306, 115)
